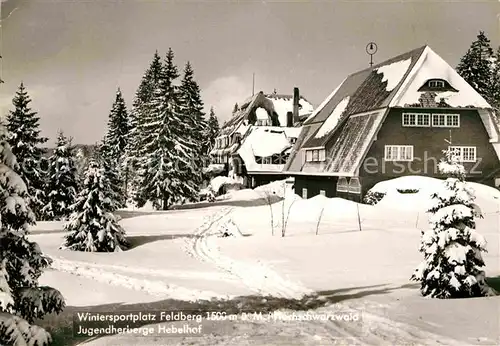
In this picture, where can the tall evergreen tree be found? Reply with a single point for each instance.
(25, 139)
(475, 66)
(92, 226)
(235, 108)
(495, 85)
(167, 170)
(62, 184)
(117, 140)
(212, 130)
(118, 128)
(103, 155)
(138, 119)
(452, 247)
(194, 119)
(22, 300)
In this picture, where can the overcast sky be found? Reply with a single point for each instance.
(72, 54)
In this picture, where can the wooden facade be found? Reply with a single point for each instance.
(384, 132)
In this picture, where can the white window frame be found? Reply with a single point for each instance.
(354, 186)
(309, 155)
(448, 120)
(463, 151)
(304, 193)
(322, 155)
(315, 155)
(416, 117)
(400, 150)
(437, 83)
(342, 185)
(268, 160)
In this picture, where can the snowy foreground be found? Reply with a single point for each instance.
(328, 263)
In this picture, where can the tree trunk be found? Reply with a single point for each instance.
(165, 202)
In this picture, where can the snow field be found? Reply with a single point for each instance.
(340, 263)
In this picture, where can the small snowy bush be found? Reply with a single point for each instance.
(373, 197)
(92, 225)
(404, 191)
(452, 247)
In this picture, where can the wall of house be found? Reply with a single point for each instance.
(315, 184)
(263, 179)
(428, 144)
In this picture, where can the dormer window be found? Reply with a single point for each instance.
(436, 83)
(237, 138)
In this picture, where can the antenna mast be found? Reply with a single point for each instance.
(253, 84)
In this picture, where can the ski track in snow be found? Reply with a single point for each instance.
(374, 329)
(256, 276)
(157, 288)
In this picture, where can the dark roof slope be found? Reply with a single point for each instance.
(366, 92)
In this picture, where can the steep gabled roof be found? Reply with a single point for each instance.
(230, 126)
(277, 103)
(432, 66)
(366, 90)
(354, 112)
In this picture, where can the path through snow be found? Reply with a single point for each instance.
(255, 275)
(374, 328)
(107, 274)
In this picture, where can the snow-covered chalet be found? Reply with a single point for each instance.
(394, 119)
(254, 144)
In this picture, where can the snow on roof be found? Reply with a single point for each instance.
(333, 119)
(262, 141)
(267, 142)
(284, 104)
(368, 89)
(393, 73)
(352, 142)
(292, 132)
(242, 129)
(323, 104)
(432, 66)
(371, 92)
(294, 163)
(261, 114)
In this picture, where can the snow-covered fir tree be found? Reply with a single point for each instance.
(166, 172)
(22, 300)
(212, 130)
(103, 154)
(476, 65)
(116, 141)
(452, 247)
(118, 128)
(92, 226)
(140, 105)
(194, 120)
(138, 119)
(25, 140)
(495, 84)
(62, 183)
